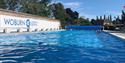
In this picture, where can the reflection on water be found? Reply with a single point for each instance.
(62, 47)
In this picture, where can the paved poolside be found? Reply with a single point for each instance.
(117, 33)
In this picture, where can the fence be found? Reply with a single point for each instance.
(84, 27)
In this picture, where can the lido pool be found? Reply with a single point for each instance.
(62, 47)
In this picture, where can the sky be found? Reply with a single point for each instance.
(92, 8)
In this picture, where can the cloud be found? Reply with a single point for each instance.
(78, 6)
(73, 5)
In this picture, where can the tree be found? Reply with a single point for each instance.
(93, 21)
(104, 17)
(12, 4)
(118, 20)
(84, 22)
(36, 7)
(60, 13)
(98, 21)
(44, 8)
(73, 15)
(110, 17)
(2, 4)
(101, 18)
(123, 18)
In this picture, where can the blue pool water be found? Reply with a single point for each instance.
(62, 47)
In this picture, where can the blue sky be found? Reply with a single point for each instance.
(92, 8)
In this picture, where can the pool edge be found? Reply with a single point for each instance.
(115, 33)
(29, 32)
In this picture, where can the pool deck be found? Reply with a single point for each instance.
(116, 33)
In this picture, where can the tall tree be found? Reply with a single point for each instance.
(100, 17)
(97, 18)
(110, 17)
(99, 21)
(73, 15)
(118, 20)
(93, 21)
(104, 17)
(123, 17)
(60, 13)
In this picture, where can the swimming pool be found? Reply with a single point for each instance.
(62, 47)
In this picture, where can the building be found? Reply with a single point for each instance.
(11, 21)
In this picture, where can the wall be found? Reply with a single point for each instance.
(17, 22)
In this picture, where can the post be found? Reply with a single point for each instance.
(28, 30)
(6, 30)
(19, 30)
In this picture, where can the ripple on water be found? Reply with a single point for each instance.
(62, 47)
